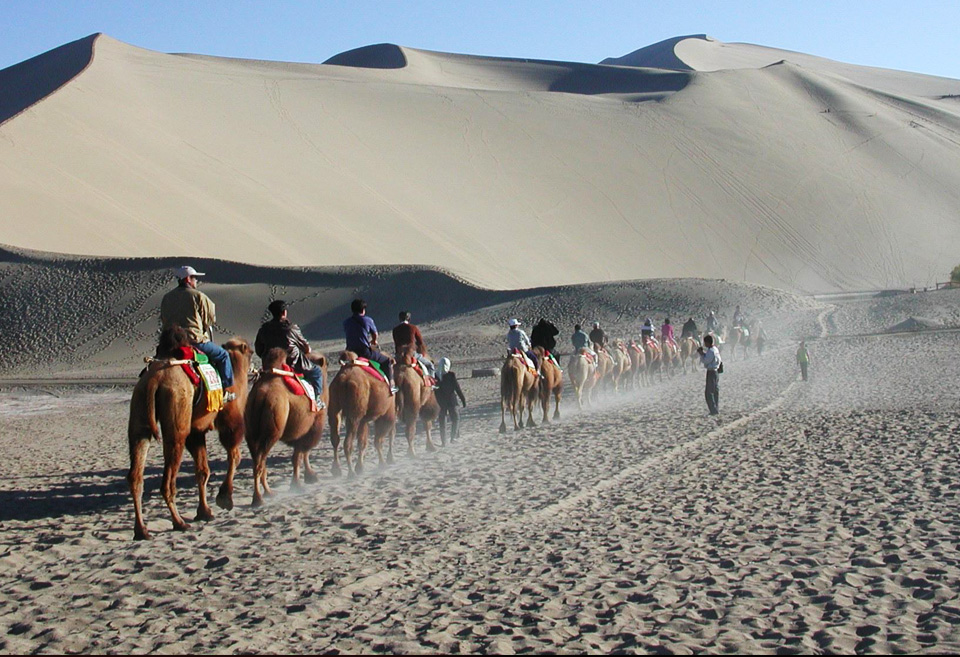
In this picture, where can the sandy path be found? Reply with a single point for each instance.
(814, 517)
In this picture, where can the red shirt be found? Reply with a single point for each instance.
(407, 334)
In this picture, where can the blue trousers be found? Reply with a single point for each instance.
(315, 377)
(220, 359)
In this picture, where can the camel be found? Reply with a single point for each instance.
(518, 389)
(669, 356)
(621, 366)
(688, 352)
(162, 407)
(357, 398)
(551, 383)
(652, 354)
(274, 413)
(583, 376)
(604, 367)
(736, 338)
(415, 399)
(638, 363)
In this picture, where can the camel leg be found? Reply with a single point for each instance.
(259, 474)
(309, 474)
(503, 417)
(556, 406)
(197, 444)
(545, 404)
(172, 455)
(411, 436)
(225, 494)
(362, 437)
(138, 460)
(295, 480)
(426, 427)
(334, 420)
(531, 401)
(383, 429)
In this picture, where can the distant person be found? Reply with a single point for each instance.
(361, 335)
(666, 332)
(448, 389)
(647, 330)
(407, 335)
(518, 340)
(713, 324)
(581, 341)
(803, 359)
(193, 311)
(598, 338)
(278, 332)
(710, 359)
(690, 330)
(544, 334)
(737, 320)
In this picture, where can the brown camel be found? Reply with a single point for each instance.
(669, 356)
(415, 399)
(551, 383)
(518, 390)
(621, 366)
(688, 352)
(652, 354)
(274, 413)
(162, 407)
(638, 363)
(358, 398)
(604, 368)
(583, 376)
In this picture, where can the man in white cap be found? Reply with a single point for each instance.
(517, 339)
(194, 312)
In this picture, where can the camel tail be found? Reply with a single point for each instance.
(152, 385)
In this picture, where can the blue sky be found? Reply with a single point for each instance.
(913, 36)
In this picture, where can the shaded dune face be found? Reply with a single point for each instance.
(29, 82)
(383, 55)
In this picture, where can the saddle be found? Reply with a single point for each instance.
(295, 383)
(203, 376)
(516, 353)
(636, 348)
(590, 357)
(370, 367)
(417, 367)
(653, 345)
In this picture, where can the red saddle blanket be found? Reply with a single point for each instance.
(369, 368)
(293, 381)
(188, 353)
(636, 348)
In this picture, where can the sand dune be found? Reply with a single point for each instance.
(787, 176)
(703, 53)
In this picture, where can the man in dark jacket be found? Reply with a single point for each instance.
(598, 338)
(279, 332)
(544, 334)
(689, 330)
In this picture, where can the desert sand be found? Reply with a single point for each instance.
(810, 517)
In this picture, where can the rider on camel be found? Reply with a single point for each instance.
(406, 335)
(598, 338)
(647, 331)
(280, 333)
(193, 311)
(517, 340)
(666, 332)
(361, 335)
(690, 330)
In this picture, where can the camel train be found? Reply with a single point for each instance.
(167, 406)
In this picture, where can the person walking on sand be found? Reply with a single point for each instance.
(193, 311)
(448, 389)
(803, 358)
(710, 359)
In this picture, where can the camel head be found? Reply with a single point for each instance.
(275, 359)
(317, 359)
(347, 358)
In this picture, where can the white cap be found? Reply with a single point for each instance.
(513, 322)
(186, 270)
(596, 324)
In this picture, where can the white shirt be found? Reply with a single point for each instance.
(710, 358)
(517, 339)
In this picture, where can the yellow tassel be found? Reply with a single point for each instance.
(214, 400)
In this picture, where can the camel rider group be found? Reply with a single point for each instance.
(190, 309)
